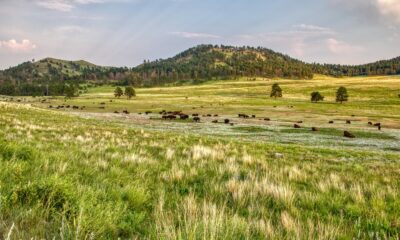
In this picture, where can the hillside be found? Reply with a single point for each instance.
(222, 62)
(195, 65)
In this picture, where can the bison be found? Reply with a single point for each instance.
(314, 129)
(296, 126)
(126, 111)
(331, 122)
(226, 121)
(267, 119)
(348, 122)
(183, 116)
(196, 119)
(215, 121)
(348, 134)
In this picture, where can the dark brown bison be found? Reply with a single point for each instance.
(226, 121)
(253, 116)
(169, 117)
(300, 122)
(75, 107)
(126, 111)
(348, 134)
(195, 114)
(196, 119)
(215, 121)
(116, 112)
(331, 122)
(296, 126)
(183, 116)
(267, 119)
(314, 129)
(348, 122)
(370, 123)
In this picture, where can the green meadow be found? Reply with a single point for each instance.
(91, 173)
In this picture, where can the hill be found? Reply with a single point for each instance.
(195, 65)
(206, 62)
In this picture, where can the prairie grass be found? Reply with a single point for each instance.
(82, 177)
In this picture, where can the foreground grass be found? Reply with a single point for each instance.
(66, 177)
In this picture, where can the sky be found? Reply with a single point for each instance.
(126, 32)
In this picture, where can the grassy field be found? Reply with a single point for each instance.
(94, 174)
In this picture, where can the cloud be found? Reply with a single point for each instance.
(68, 5)
(12, 45)
(300, 38)
(69, 29)
(372, 10)
(194, 35)
(339, 47)
(389, 8)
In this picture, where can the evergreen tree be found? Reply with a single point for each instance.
(130, 92)
(118, 92)
(276, 91)
(316, 97)
(341, 95)
(70, 91)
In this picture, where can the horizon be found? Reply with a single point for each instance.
(122, 33)
(122, 66)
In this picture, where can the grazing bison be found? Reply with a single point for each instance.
(226, 121)
(253, 116)
(126, 111)
(196, 119)
(183, 116)
(215, 115)
(348, 134)
(314, 129)
(75, 107)
(348, 122)
(209, 115)
(102, 103)
(296, 126)
(241, 115)
(169, 117)
(370, 123)
(215, 121)
(50, 106)
(331, 122)
(116, 112)
(267, 119)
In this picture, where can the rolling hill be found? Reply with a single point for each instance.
(195, 65)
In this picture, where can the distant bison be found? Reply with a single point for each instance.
(331, 122)
(267, 119)
(169, 117)
(253, 116)
(148, 112)
(196, 119)
(226, 121)
(195, 114)
(126, 111)
(314, 129)
(348, 122)
(348, 134)
(215, 121)
(300, 122)
(296, 126)
(184, 116)
(116, 112)
(370, 123)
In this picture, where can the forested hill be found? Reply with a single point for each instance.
(198, 64)
(384, 67)
(222, 62)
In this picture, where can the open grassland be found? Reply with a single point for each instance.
(93, 174)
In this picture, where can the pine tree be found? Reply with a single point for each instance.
(276, 91)
(130, 92)
(341, 95)
(118, 92)
(316, 97)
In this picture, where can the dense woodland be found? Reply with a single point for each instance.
(195, 65)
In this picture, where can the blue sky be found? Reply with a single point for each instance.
(125, 32)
